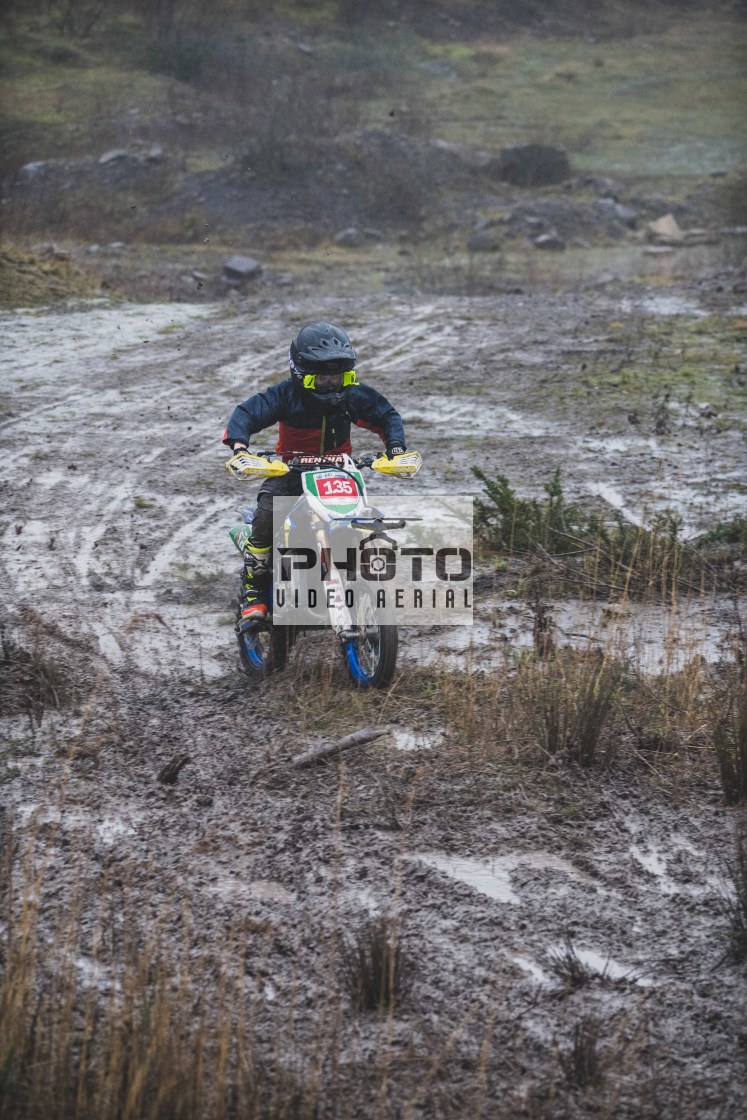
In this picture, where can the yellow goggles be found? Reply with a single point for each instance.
(347, 378)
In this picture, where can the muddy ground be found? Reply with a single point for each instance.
(116, 557)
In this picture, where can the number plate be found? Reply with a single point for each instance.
(333, 492)
(337, 488)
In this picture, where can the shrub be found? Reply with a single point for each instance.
(508, 522)
(613, 558)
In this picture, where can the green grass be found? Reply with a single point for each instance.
(664, 103)
(696, 361)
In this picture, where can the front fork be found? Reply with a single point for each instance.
(334, 593)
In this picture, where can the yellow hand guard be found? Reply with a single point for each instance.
(246, 465)
(401, 466)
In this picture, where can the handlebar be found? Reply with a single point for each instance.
(271, 464)
(304, 461)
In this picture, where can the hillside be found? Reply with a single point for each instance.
(370, 143)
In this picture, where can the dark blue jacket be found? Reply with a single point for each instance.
(305, 425)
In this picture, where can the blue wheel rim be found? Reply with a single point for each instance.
(357, 672)
(252, 652)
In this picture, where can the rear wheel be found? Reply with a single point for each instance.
(371, 656)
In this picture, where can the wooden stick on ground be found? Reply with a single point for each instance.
(318, 754)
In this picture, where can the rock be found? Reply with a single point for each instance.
(113, 155)
(486, 240)
(531, 165)
(700, 237)
(461, 154)
(606, 187)
(616, 210)
(549, 241)
(52, 250)
(665, 231)
(237, 270)
(350, 238)
(154, 154)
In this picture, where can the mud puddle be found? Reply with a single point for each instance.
(651, 638)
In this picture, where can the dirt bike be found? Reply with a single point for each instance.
(333, 504)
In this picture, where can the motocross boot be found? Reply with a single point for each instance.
(255, 586)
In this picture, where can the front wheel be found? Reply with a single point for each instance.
(371, 655)
(264, 650)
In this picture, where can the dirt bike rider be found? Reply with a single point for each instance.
(315, 408)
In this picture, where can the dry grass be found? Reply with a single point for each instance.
(31, 679)
(734, 901)
(581, 1064)
(567, 966)
(125, 1022)
(373, 968)
(729, 735)
(136, 1017)
(549, 707)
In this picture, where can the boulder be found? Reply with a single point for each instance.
(665, 231)
(487, 239)
(611, 208)
(50, 249)
(113, 155)
(530, 165)
(237, 270)
(549, 241)
(350, 238)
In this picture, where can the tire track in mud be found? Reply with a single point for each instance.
(77, 543)
(154, 635)
(119, 403)
(399, 345)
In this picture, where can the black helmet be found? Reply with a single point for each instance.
(322, 360)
